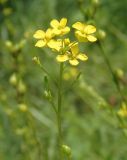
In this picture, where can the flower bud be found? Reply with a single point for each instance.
(119, 73)
(48, 94)
(9, 44)
(67, 150)
(13, 79)
(101, 34)
(23, 107)
(21, 87)
(95, 2)
(36, 60)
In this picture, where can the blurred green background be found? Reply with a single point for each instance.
(91, 128)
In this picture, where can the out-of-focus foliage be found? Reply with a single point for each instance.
(27, 122)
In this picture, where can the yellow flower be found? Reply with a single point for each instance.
(60, 28)
(123, 110)
(59, 45)
(43, 37)
(72, 55)
(83, 32)
(55, 45)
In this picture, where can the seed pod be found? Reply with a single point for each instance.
(67, 150)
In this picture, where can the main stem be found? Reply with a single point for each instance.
(59, 118)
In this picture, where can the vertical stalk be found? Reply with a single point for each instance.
(115, 79)
(106, 59)
(59, 118)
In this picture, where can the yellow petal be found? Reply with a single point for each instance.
(82, 57)
(81, 37)
(91, 38)
(89, 29)
(54, 23)
(55, 44)
(65, 30)
(39, 34)
(49, 33)
(63, 22)
(40, 43)
(74, 62)
(79, 26)
(75, 49)
(62, 58)
(56, 31)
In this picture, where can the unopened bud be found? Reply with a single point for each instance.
(48, 94)
(36, 60)
(119, 73)
(67, 150)
(21, 87)
(95, 2)
(101, 34)
(23, 107)
(9, 44)
(13, 79)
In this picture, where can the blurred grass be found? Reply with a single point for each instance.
(90, 128)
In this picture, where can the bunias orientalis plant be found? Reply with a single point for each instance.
(67, 50)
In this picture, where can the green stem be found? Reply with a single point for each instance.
(59, 118)
(48, 74)
(54, 107)
(115, 79)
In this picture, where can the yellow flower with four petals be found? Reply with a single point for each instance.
(83, 32)
(59, 45)
(60, 28)
(72, 55)
(43, 37)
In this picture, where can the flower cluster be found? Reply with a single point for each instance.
(67, 50)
